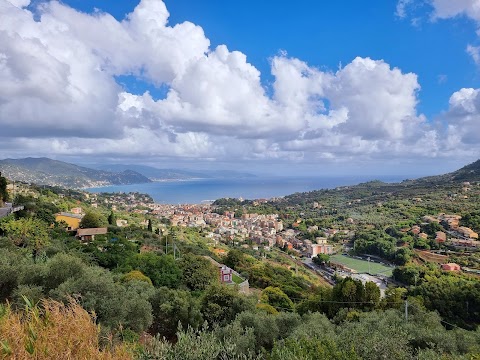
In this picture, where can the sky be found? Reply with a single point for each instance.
(308, 87)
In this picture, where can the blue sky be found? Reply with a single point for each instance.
(327, 34)
(347, 86)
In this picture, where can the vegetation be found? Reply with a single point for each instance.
(128, 295)
(3, 190)
(53, 330)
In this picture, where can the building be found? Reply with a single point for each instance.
(87, 235)
(72, 220)
(415, 229)
(121, 223)
(315, 249)
(467, 232)
(440, 237)
(224, 272)
(450, 267)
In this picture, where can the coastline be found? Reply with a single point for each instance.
(197, 190)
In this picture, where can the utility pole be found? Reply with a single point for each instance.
(406, 310)
(174, 236)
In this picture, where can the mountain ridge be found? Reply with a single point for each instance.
(45, 171)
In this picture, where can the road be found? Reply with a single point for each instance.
(4, 211)
(366, 277)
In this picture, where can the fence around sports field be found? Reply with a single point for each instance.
(361, 266)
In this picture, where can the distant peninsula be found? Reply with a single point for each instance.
(45, 171)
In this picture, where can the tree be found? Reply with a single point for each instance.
(60, 268)
(171, 307)
(403, 255)
(27, 233)
(350, 292)
(234, 259)
(163, 270)
(92, 220)
(112, 219)
(394, 298)
(3, 190)
(275, 297)
(197, 272)
(115, 305)
(149, 226)
(372, 295)
(321, 259)
(136, 275)
(220, 304)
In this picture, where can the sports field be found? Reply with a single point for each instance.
(361, 266)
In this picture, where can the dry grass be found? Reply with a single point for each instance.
(53, 331)
(428, 256)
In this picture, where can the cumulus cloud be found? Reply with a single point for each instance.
(464, 117)
(459, 127)
(59, 93)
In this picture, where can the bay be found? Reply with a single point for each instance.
(197, 191)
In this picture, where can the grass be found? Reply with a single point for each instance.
(53, 331)
(361, 266)
(237, 279)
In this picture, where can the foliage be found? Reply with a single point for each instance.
(235, 259)
(115, 305)
(28, 233)
(321, 259)
(112, 219)
(163, 270)
(3, 190)
(197, 272)
(194, 345)
(136, 275)
(275, 297)
(172, 308)
(93, 220)
(220, 304)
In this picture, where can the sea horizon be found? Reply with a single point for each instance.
(201, 190)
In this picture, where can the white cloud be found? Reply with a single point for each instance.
(445, 9)
(463, 118)
(402, 8)
(474, 52)
(58, 93)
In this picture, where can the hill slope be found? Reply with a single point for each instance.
(44, 171)
(154, 173)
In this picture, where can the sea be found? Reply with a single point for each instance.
(197, 191)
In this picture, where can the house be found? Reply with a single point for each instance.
(450, 267)
(224, 272)
(440, 237)
(87, 235)
(415, 229)
(467, 232)
(72, 220)
(121, 223)
(315, 249)
(423, 235)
